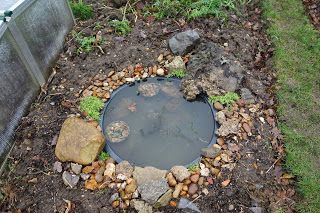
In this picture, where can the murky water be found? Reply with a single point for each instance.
(164, 129)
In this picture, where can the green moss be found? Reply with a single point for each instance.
(227, 99)
(121, 27)
(92, 106)
(104, 156)
(296, 59)
(178, 73)
(81, 10)
(193, 167)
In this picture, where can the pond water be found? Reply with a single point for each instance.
(149, 123)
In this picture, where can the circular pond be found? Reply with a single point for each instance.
(149, 123)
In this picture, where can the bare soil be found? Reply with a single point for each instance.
(31, 185)
(313, 10)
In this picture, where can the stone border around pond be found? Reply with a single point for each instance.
(147, 188)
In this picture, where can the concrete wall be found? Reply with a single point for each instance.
(29, 45)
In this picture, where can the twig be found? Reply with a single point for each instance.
(273, 164)
(125, 10)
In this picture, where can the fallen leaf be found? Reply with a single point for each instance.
(226, 183)
(87, 169)
(91, 184)
(287, 176)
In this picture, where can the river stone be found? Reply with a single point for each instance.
(210, 152)
(76, 168)
(193, 188)
(176, 64)
(152, 190)
(182, 43)
(147, 174)
(141, 206)
(164, 199)
(125, 168)
(79, 142)
(180, 173)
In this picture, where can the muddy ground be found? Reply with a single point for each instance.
(31, 185)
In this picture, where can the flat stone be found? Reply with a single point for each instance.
(152, 190)
(180, 173)
(147, 174)
(247, 96)
(110, 170)
(76, 168)
(124, 168)
(231, 126)
(164, 199)
(210, 152)
(70, 179)
(182, 43)
(79, 142)
(177, 190)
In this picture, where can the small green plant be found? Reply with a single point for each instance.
(86, 43)
(104, 156)
(178, 73)
(193, 167)
(121, 27)
(92, 106)
(227, 99)
(191, 8)
(81, 10)
(97, 26)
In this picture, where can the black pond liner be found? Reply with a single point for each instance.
(103, 125)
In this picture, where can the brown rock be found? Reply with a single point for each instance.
(131, 188)
(210, 180)
(79, 142)
(218, 106)
(201, 180)
(246, 127)
(185, 188)
(173, 203)
(194, 178)
(171, 180)
(115, 203)
(193, 188)
(177, 190)
(87, 169)
(186, 181)
(220, 141)
(214, 171)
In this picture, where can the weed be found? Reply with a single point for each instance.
(191, 9)
(227, 99)
(92, 106)
(121, 27)
(104, 156)
(193, 167)
(178, 73)
(81, 10)
(86, 43)
(97, 26)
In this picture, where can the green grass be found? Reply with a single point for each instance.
(227, 99)
(92, 106)
(178, 73)
(81, 10)
(121, 27)
(191, 8)
(297, 61)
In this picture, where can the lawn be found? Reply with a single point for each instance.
(297, 61)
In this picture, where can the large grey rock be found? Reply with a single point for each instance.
(79, 142)
(124, 168)
(152, 190)
(180, 173)
(212, 71)
(141, 206)
(147, 174)
(182, 43)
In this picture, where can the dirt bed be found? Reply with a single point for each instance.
(30, 184)
(313, 9)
